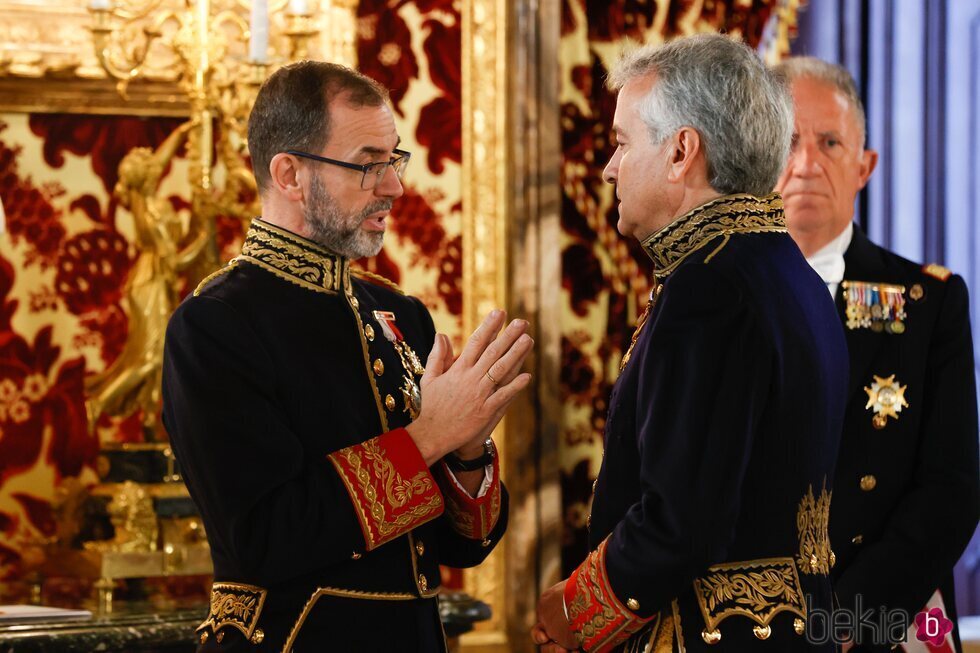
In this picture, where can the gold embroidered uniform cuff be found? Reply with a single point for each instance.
(390, 486)
(599, 620)
(472, 518)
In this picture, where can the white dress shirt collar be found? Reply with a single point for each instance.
(828, 262)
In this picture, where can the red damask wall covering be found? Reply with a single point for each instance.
(68, 247)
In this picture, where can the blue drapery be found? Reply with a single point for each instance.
(917, 65)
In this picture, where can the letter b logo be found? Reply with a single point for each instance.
(932, 626)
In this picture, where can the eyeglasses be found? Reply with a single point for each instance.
(372, 173)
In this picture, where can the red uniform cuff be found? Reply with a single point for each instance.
(472, 518)
(390, 485)
(598, 619)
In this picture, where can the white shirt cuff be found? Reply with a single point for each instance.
(484, 486)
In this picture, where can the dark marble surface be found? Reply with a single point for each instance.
(139, 627)
(130, 627)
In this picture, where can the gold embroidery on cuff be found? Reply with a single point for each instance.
(597, 617)
(383, 498)
(473, 518)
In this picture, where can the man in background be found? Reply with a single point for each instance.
(906, 490)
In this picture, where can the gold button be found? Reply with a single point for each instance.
(355, 556)
(711, 636)
(485, 543)
(369, 332)
(868, 483)
(220, 636)
(916, 292)
(857, 539)
(762, 632)
(353, 302)
(420, 548)
(633, 604)
(833, 558)
(379, 367)
(423, 583)
(594, 483)
(390, 402)
(258, 636)
(204, 637)
(799, 626)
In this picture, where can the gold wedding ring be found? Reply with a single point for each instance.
(492, 380)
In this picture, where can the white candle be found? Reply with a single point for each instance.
(299, 8)
(258, 46)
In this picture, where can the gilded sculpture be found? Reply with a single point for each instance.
(165, 249)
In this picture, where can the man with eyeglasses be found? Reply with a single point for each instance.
(334, 474)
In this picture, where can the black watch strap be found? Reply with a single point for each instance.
(457, 464)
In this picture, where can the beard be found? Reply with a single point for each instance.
(330, 227)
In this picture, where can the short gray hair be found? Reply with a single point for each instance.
(829, 73)
(722, 89)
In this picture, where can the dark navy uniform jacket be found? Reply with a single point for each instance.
(287, 383)
(906, 495)
(709, 519)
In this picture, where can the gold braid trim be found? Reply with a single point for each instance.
(732, 214)
(347, 594)
(232, 264)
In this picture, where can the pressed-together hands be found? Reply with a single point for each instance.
(553, 632)
(463, 401)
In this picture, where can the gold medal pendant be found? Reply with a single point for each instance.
(412, 396)
(886, 398)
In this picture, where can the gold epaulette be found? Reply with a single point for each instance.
(937, 271)
(377, 279)
(214, 275)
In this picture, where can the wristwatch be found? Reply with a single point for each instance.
(457, 464)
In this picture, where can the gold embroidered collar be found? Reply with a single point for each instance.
(731, 214)
(294, 258)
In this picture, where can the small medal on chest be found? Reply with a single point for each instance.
(876, 306)
(411, 393)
